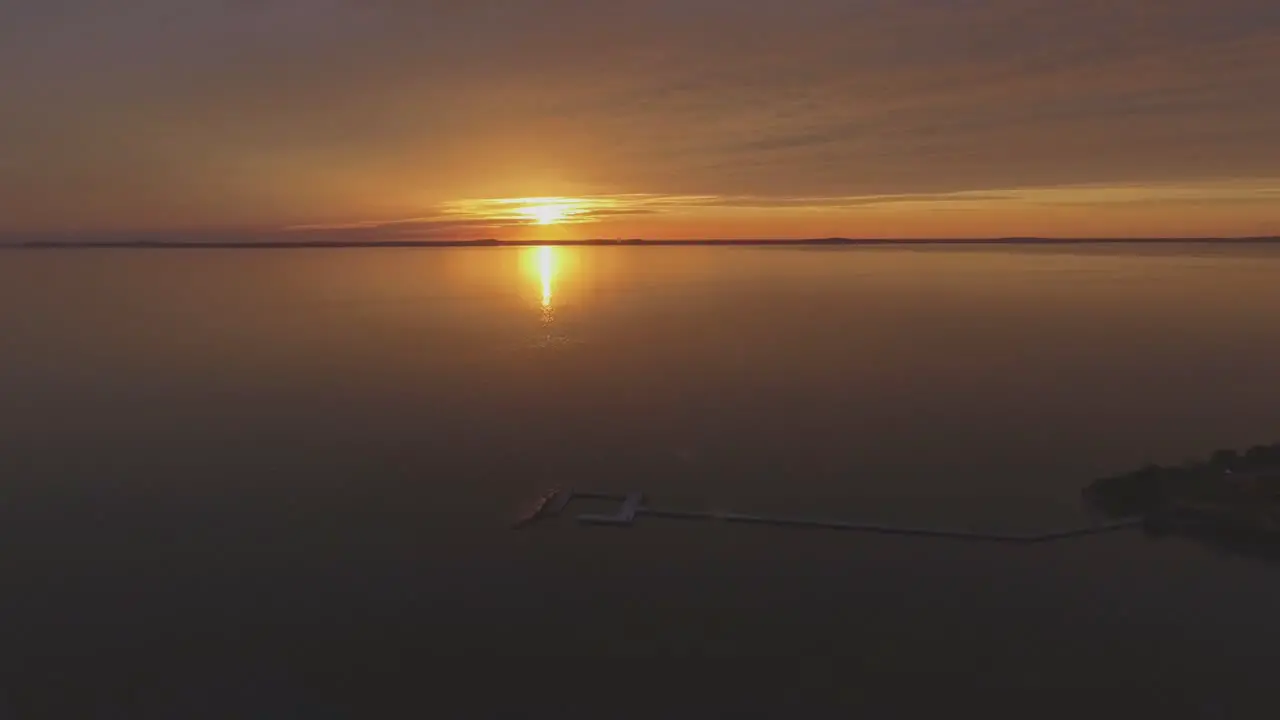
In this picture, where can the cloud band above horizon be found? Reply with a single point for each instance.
(660, 118)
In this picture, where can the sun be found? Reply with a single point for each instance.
(546, 214)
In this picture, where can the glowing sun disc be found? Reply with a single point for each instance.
(546, 214)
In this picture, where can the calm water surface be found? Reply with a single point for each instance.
(271, 462)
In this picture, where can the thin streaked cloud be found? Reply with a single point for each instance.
(506, 217)
(280, 113)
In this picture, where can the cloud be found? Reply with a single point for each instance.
(501, 217)
(280, 112)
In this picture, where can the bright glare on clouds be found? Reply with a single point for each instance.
(553, 214)
(987, 213)
(656, 117)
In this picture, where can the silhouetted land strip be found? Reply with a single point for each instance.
(354, 244)
(1231, 501)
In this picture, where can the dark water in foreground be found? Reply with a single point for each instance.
(281, 482)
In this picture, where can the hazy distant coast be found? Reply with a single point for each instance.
(313, 244)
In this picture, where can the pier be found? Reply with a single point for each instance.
(554, 502)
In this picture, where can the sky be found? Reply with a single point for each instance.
(559, 119)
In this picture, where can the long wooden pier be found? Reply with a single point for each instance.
(554, 502)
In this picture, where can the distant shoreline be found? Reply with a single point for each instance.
(349, 244)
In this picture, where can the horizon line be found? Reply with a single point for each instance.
(492, 242)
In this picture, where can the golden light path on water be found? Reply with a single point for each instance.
(547, 273)
(548, 276)
(542, 266)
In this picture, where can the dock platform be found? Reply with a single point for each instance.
(554, 502)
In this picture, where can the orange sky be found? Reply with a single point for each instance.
(654, 118)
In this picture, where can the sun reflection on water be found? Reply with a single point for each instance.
(547, 274)
(549, 271)
(542, 266)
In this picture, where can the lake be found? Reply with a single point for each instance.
(268, 476)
